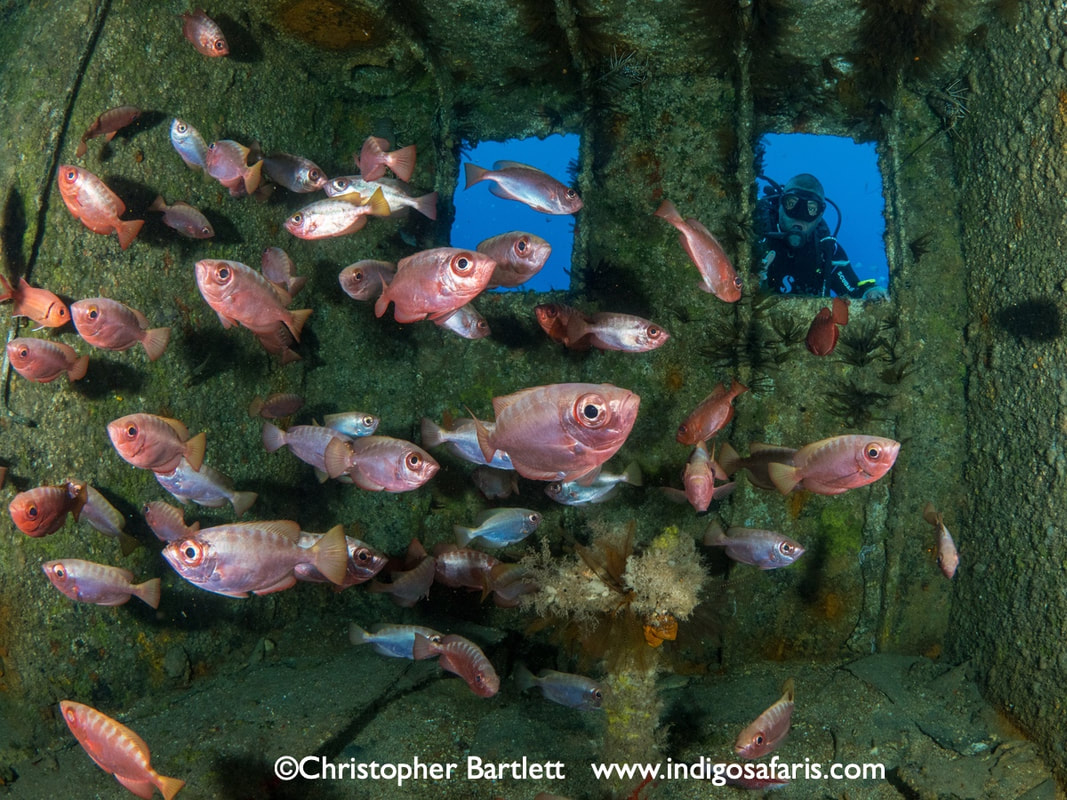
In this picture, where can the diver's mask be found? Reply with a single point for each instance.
(802, 206)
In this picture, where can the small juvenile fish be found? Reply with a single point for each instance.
(107, 519)
(760, 548)
(204, 33)
(565, 688)
(205, 487)
(499, 527)
(493, 483)
(769, 729)
(434, 283)
(380, 463)
(40, 305)
(699, 478)
(462, 439)
(948, 559)
(117, 750)
(275, 406)
(465, 321)
(602, 488)
(518, 256)
(43, 510)
(375, 156)
(712, 415)
(111, 325)
(97, 207)
(89, 582)
(395, 192)
(42, 360)
(365, 280)
(822, 335)
(189, 144)
(335, 216)
(613, 331)
(364, 562)
(835, 465)
(167, 522)
(352, 423)
(256, 557)
(277, 268)
(295, 173)
(184, 218)
(528, 185)
(108, 124)
(155, 443)
(462, 657)
(394, 641)
(227, 162)
(717, 273)
(409, 586)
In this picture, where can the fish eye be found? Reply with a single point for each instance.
(180, 126)
(32, 511)
(219, 44)
(71, 174)
(787, 549)
(363, 555)
(93, 312)
(462, 263)
(192, 552)
(368, 420)
(297, 219)
(61, 312)
(598, 695)
(206, 231)
(314, 175)
(223, 273)
(534, 518)
(737, 281)
(873, 451)
(479, 678)
(24, 352)
(131, 431)
(521, 245)
(653, 332)
(413, 460)
(211, 146)
(591, 411)
(571, 194)
(758, 739)
(358, 275)
(71, 716)
(58, 571)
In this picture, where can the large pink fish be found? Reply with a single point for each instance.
(89, 200)
(379, 463)
(835, 465)
(43, 510)
(155, 443)
(434, 283)
(240, 294)
(117, 750)
(42, 360)
(718, 276)
(112, 325)
(769, 729)
(560, 432)
(258, 557)
(529, 185)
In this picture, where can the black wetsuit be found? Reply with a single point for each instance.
(819, 265)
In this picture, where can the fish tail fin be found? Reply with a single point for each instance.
(127, 229)
(737, 388)
(194, 450)
(783, 476)
(7, 291)
(714, 536)
(78, 368)
(432, 433)
(298, 318)
(331, 554)
(168, 787)
(473, 174)
(402, 162)
(242, 501)
(296, 284)
(728, 459)
(371, 159)
(632, 475)
(155, 342)
(149, 592)
(81, 149)
(253, 176)
(668, 212)
(356, 635)
(159, 204)
(127, 543)
(463, 535)
(423, 648)
(725, 490)
(789, 690)
(427, 205)
(335, 457)
(524, 679)
(379, 206)
(273, 437)
(931, 515)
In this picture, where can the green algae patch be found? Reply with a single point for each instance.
(842, 532)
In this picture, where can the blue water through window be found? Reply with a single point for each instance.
(849, 173)
(481, 214)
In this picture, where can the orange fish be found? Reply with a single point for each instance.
(117, 750)
(40, 305)
(204, 33)
(769, 729)
(155, 443)
(108, 124)
(42, 361)
(718, 276)
(88, 199)
(43, 510)
(374, 157)
(712, 415)
(111, 325)
(822, 335)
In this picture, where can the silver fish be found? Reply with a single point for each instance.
(461, 436)
(604, 485)
(208, 487)
(499, 527)
(565, 688)
(396, 194)
(395, 641)
(760, 548)
(189, 144)
(89, 582)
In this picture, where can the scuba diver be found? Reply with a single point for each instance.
(799, 255)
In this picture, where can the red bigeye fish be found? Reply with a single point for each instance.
(374, 158)
(184, 218)
(40, 305)
(167, 522)
(529, 185)
(699, 476)
(947, 556)
(822, 335)
(107, 519)
(43, 510)
(365, 280)
(256, 557)
(364, 562)
(718, 276)
(189, 144)
(239, 294)
(336, 216)
(108, 124)
(560, 432)
(565, 688)
(89, 200)
(518, 256)
(306, 442)
(769, 729)
(155, 443)
(712, 415)
(227, 162)
(89, 582)
(204, 33)
(42, 361)
(205, 487)
(835, 465)
(434, 283)
(112, 325)
(380, 463)
(117, 750)
(395, 641)
(295, 173)
(611, 331)
(462, 657)
(554, 320)
(760, 548)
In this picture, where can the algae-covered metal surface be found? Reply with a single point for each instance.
(669, 99)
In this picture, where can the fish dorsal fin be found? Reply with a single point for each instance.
(178, 427)
(285, 528)
(788, 691)
(770, 449)
(516, 165)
